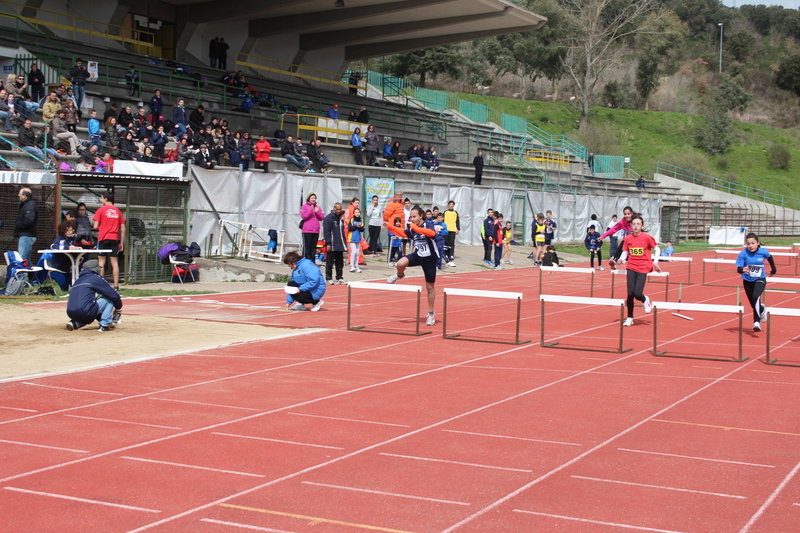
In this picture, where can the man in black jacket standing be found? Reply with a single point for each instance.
(222, 53)
(333, 233)
(79, 75)
(25, 225)
(213, 51)
(92, 298)
(478, 164)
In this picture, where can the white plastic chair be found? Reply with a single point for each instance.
(50, 268)
(175, 263)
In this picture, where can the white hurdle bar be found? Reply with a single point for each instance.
(664, 275)
(678, 259)
(709, 308)
(585, 301)
(482, 294)
(775, 254)
(384, 287)
(778, 311)
(716, 262)
(567, 271)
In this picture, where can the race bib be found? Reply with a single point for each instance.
(755, 271)
(422, 249)
(636, 251)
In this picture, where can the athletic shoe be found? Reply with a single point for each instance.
(318, 306)
(498, 267)
(612, 264)
(391, 264)
(628, 322)
(646, 305)
(357, 270)
(756, 326)
(451, 264)
(393, 278)
(104, 328)
(510, 262)
(530, 255)
(352, 269)
(330, 282)
(117, 317)
(762, 316)
(430, 320)
(298, 307)
(600, 267)
(71, 325)
(340, 282)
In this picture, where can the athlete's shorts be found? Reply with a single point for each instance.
(109, 244)
(548, 240)
(428, 265)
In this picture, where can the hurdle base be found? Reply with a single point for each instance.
(581, 349)
(774, 362)
(409, 334)
(458, 337)
(664, 354)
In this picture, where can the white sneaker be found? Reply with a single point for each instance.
(430, 321)
(600, 267)
(451, 264)
(510, 262)
(298, 307)
(391, 264)
(352, 269)
(628, 322)
(756, 326)
(646, 305)
(357, 270)
(330, 282)
(762, 316)
(498, 267)
(319, 304)
(393, 278)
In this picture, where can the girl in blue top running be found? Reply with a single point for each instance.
(750, 264)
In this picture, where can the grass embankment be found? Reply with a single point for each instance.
(651, 136)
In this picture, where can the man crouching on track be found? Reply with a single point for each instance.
(92, 298)
(426, 254)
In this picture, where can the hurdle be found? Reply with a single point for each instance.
(716, 262)
(673, 259)
(664, 275)
(678, 306)
(778, 311)
(568, 271)
(384, 287)
(587, 301)
(482, 294)
(775, 254)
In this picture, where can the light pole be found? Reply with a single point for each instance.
(720, 46)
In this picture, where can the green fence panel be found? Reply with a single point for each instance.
(514, 124)
(609, 166)
(478, 113)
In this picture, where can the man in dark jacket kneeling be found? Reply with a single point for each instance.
(92, 298)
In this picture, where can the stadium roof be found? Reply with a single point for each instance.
(367, 28)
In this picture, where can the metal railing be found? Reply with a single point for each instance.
(273, 69)
(609, 166)
(20, 36)
(727, 186)
(548, 160)
(558, 141)
(514, 124)
(95, 32)
(333, 130)
(478, 113)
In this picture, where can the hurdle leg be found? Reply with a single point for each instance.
(591, 287)
(519, 316)
(621, 327)
(655, 331)
(349, 301)
(741, 339)
(769, 327)
(612, 284)
(540, 281)
(689, 281)
(541, 343)
(419, 300)
(444, 318)
(666, 294)
(704, 272)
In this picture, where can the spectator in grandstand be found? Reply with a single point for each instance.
(104, 164)
(203, 158)
(79, 75)
(83, 226)
(7, 111)
(396, 155)
(159, 141)
(316, 155)
(112, 136)
(287, 152)
(112, 111)
(477, 162)
(88, 157)
(363, 115)
(371, 145)
(197, 119)
(355, 77)
(179, 118)
(125, 117)
(184, 151)
(263, 149)
(61, 132)
(132, 79)
(36, 82)
(413, 157)
(61, 92)
(51, 106)
(19, 89)
(590, 161)
(640, 183)
(213, 51)
(358, 146)
(156, 107)
(219, 150)
(140, 122)
(352, 116)
(70, 95)
(222, 54)
(71, 116)
(127, 148)
(333, 112)
(433, 158)
(422, 153)
(148, 156)
(27, 140)
(300, 156)
(245, 147)
(387, 149)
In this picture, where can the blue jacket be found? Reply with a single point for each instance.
(94, 127)
(592, 240)
(179, 115)
(355, 140)
(387, 150)
(333, 113)
(82, 304)
(308, 276)
(442, 233)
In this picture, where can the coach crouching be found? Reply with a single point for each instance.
(92, 298)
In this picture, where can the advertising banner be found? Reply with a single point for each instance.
(382, 187)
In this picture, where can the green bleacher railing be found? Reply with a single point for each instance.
(20, 38)
(609, 166)
(478, 113)
(727, 186)
(514, 124)
(558, 141)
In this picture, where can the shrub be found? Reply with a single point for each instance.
(544, 119)
(716, 137)
(615, 95)
(780, 157)
(731, 176)
(722, 163)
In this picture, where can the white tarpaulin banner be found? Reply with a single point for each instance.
(731, 235)
(471, 204)
(137, 168)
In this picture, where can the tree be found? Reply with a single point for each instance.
(595, 39)
(716, 137)
(788, 75)
(665, 34)
(701, 16)
(731, 95)
(427, 62)
(740, 45)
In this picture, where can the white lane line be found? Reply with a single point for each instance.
(201, 403)
(698, 458)
(384, 493)
(42, 446)
(513, 438)
(244, 526)
(191, 466)
(277, 440)
(771, 499)
(83, 500)
(796, 504)
(454, 462)
(613, 524)
(19, 409)
(659, 487)
(121, 421)
(351, 420)
(67, 388)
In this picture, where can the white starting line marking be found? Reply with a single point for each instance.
(698, 458)
(67, 388)
(83, 500)
(383, 493)
(277, 440)
(244, 526)
(19, 409)
(351, 420)
(42, 446)
(191, 466)
(201, 403)
(623, 526)
(455, 462)
(121, 421)
(660, 487)
(513, 438)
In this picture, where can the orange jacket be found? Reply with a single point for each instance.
(401, 232)
(394, 209)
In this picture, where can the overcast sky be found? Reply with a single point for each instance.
(787, 4)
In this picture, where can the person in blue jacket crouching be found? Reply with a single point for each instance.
(307, 285)
(92, 298)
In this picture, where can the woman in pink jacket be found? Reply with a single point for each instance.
(310, 215)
